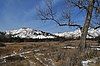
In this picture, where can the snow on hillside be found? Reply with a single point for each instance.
(92, 33)
(75, 33)
(35, 34)
(29, 33)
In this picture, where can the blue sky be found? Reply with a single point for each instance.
(15, 14)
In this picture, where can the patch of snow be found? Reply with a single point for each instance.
(69, 47)
(14, 54)
(86, 62)
(96, 47)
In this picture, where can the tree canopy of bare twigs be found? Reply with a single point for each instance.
(91, 8)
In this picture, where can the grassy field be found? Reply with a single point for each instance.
(49, 53)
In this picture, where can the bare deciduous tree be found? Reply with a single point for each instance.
(90, 7)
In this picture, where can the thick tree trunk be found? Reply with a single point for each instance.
(84, 31)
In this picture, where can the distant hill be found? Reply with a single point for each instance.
(30, 33)
(92, 33)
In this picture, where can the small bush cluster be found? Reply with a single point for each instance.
(98, 39)
(2, 44)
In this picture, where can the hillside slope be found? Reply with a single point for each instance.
(29, 33)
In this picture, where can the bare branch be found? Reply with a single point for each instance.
(78, 4)
(97, 27)
(48, 14)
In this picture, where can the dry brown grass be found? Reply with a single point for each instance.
(51, 50)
